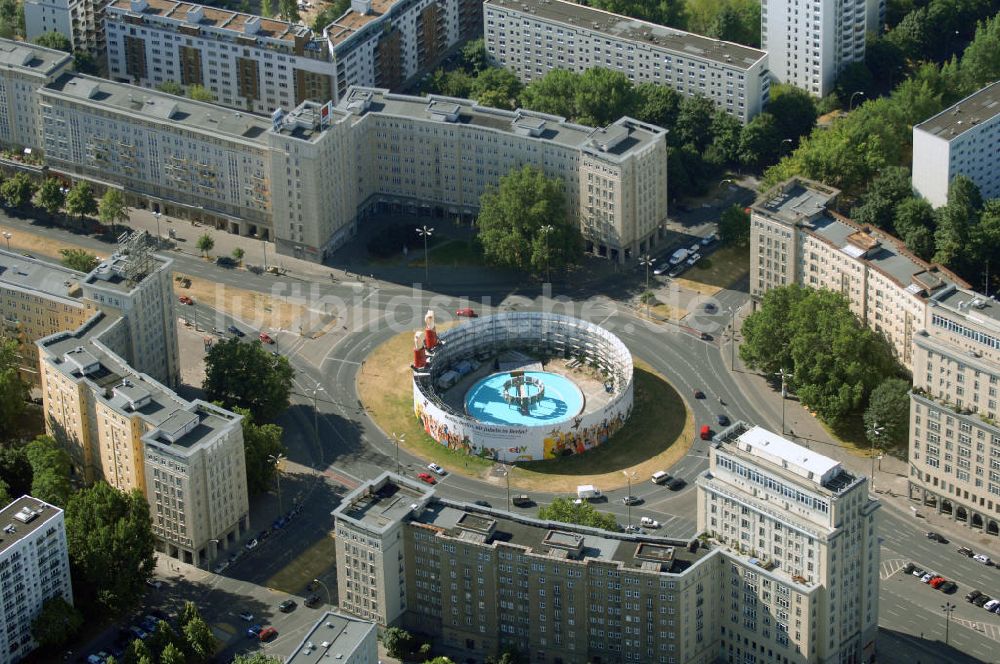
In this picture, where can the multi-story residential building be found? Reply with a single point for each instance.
(23, 69)
(954, 434)
(80, 21)
(961, 140)
(533, 37)
(441, 154)
(387, 42)
(247, 62)
(810, 43)
(34, 565)
(797, 238)
(338, 636)
(786, 569)
(804, 518)
(175, 155)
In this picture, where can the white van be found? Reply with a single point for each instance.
(661, 477)
(587, 492)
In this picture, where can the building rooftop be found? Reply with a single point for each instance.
(335, 636)
(348, 24)
(124, 269)
(795, 201)
(28, 57)
(160, 108)
(975, 109)
(613, 142)
(20, 272)
(382, 502)
(976, 307)
(308, 120)
(239, 25)
(21, 518)
(623, 27)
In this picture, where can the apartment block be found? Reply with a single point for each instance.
(961, 140)
(23, 69)
(797, 238)
(954, 434)
(482, 580)
(809, 43)
(384, 43)
(533, 37)
(34, 566)
(181, 157)
(340, 637)
(80, 21)
(247, 62)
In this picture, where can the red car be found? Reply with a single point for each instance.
(426, 477)
(467, 312)
(266, 338)
(267, 634)
(184, 299)
(706, 432)
(937, 581)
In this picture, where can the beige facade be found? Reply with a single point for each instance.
(796, 238)
(533, 37)
(954, 436)
(482, 580)
(23, 69)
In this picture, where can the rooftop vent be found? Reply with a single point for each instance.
(26, 515)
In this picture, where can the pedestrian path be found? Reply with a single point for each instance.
(890, 567)
(989, 630)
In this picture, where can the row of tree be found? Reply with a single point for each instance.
(195, 91)
(401, 644)
(19, 190)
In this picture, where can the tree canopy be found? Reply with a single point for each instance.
(50, 470)
(50, 196)
(513, 215)
(584, 514)
(57, 622)
(15, 470)
(834, 360)
(55, 40)
(13, 390)
(245, 375)
(110, 540)
(80, 260)
(734, 226)
(112, 209)
(889, 409)
(260, 441)
(80, 200)
(18, 190)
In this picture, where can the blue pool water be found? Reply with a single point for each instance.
(562, 401)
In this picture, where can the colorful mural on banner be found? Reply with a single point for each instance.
(521, 443)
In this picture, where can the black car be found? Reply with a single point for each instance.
(722, 420)
(937, 537)
(973, 595)
(287, 606)
(237, 331)
(312, 601)
(909, 568)
(631, 500)
(225, 261)
(982, 599)
(483, 503)
(676, 484)
(948, 587)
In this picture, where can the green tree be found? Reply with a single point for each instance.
(603, 96)
(15, 470)
(80, 260)
(889, 408)
(737, 22)
(554, 93)
(136, 653)
(952, 235)
(238, 255)
(5, 498)
(161, 637)
(289, 10)
(584, 514)
(508, 656)
(980, 62)
(54, 40)
(110, 541)
(692, 126)
(205, 244)
(260, 441)
(511, 218)
(200, 93)
(80, 200)
(84, 63)
(188, 613)
(50, 470)
(266, 8)
(247, 376)
(172, 655)
(734, 226)
(200, 641)
(914, 221)
(497, 87)
(767, 337)
(877, 206)
(475, 57)
(13, 390)
(57, 622)
(726, 134)
(794, 111)
(760, 142)
(656, 104)
(171, 88)
(440, 660)
(18, 190)
(50, 197)
(112, 209)
(256, 658)
(330, 13)
(396, 641)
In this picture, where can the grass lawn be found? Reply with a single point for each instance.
(658, 433)
(453, 253)
(719, 270)
(311, 564)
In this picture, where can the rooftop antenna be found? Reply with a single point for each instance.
(137, 254)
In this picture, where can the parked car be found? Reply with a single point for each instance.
(633, 529)
(522, 500)
(710, 308)
(709, 240)
(427, 478)
(251, 545)
(937, 537)
(236, 331)
(467, 312)
(661, 477)
(982, 558)
(981, 600)
(631, 500)
(287, 606)
(482, 503)
(723, 420)
(436, 468)
(706, 432)
(926, 578)
(677, 270)
(966, 551)
(246, 615)
(184, 299)
(676, 484)
(908, 569)
(694, 259)
(948, 587)
(973, 594)
(312, 601)
(698, 394)
(918, 572)
(992, 604)
(138, 632)
(225, 261)
(267, 634)
(937, 582)
(648, 522)
(265, 338)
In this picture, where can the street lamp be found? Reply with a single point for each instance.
(327, 589)
(425, 233)
(545, 230)
(7, 236)
(647, 261)
(947, 607)
(732, 338)
(629, 476)
(850, 105)
(506, 474)
(313, 394)
(157, 216)
(785, 375)
(276, 459)
(874, 434)
(398, 438)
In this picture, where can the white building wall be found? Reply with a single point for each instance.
(41, 16)
(931, 166)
